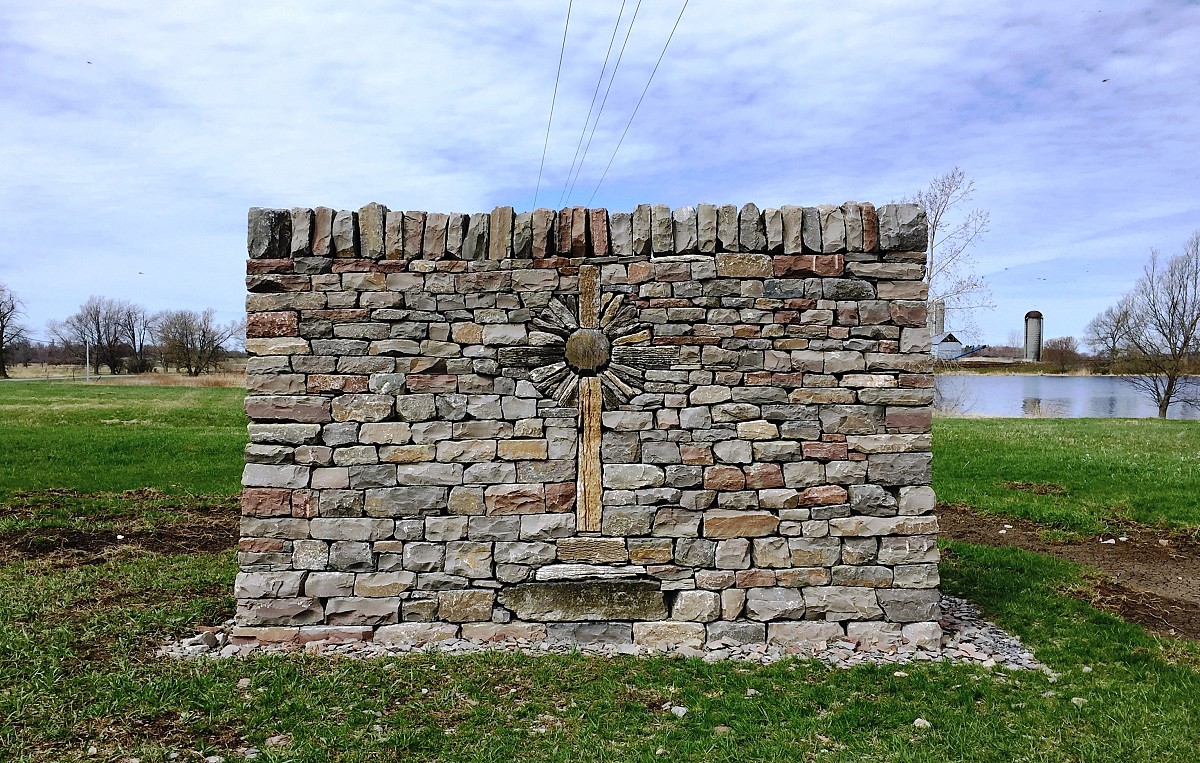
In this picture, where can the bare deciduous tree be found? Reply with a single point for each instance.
(138, 329)
(97, 326)
(953, 230)
(1107, 333)
(1061, 353)
(1160, 349)
(194, 341)
(12, 332)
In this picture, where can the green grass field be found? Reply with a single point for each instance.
(1096, 470)
(73, 436)
(77, 669)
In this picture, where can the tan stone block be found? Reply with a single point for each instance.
(522, 450)
(668, 634)
(723, 523)
(596, 550)
(745, 266)
(465, 606)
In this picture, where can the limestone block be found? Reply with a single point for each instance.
(677, 523)
(424, 557)
(351, 556)
(903, 228)
(773, 222)
(811, 230)
(685, 230)
(488, 632)
(641, 230)
(833, 229)
(547, 526)
(384, 584)
(766, 604)
(470, 559)
(269, 234)
(771, 552)
(358, 610)
(627, 520)
(909, 606)
(815, 552)
(632, 476)
(862, 575)
(492, 528)
(696, 606)
(668, 634)
(923, 635)
(661, 233)
(523, 236)
(573, 572)
(792, 222)
(706, 228)
(872, 500)
(733, 554)
(621, 232)
(589, 634)
(415, 633)
(295, 611)
(586, 601)
(327, 584)
(733, 603)
(535, 553)
(908, 549)
(475, 245)
(916, 500)
(842, 603)
(467, 606)
(900, 468)
(429, 474)
(916, 576)
(265, 475)
(807, 637)
(752, 234)
(268, 585)
(543, 244)
(695, 552)
(737, 633)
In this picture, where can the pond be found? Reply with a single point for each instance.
(1070, 397)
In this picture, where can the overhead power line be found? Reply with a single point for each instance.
(639, 103)
(592, 106)
(604, 102)
(553, 98)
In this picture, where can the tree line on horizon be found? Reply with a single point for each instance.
(120, 336)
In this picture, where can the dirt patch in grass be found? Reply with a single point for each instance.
(82, 528)
(71, 546)
(1145, 575)
(1037, 488)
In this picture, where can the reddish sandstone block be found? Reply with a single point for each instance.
(259, 267)
(908, 313)
(823, 495)
(909, 420)
(263, 325)
(436, 383)
(825, 451)
(724, 478)
(599, 225)
(696, 455)
(266, 502)
(337, 383)
(639, 272)
(762, 476)
(829, 264)
(304, 503)
(754, 578)
(560, 496)
(916, 381)
(262, 545)
(354, 266)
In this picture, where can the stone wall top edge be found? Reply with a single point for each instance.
(376, 232)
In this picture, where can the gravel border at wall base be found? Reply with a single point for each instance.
(966, 638)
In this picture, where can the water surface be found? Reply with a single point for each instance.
(1061, 397)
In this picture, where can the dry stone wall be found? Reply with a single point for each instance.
(706, 424)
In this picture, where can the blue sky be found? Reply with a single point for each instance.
(136, 135)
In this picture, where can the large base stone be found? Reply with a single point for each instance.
(586, 601)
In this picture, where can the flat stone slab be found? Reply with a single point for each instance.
(586, 601)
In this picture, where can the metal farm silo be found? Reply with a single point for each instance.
(1033, 335)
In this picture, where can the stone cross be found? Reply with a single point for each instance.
(599, 357)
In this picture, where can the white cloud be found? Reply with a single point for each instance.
(145, 160)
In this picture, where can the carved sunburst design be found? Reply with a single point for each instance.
(597, 357)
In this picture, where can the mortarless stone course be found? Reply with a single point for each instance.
(647, 427)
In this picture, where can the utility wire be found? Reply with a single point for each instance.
(553, 98)
(592, 106)
(639, 103)
(603, 102)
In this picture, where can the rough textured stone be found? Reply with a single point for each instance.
(586, 601)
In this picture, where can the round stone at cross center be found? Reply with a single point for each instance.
(588, 350)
